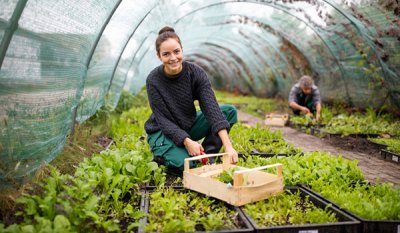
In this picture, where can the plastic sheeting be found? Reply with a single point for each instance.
(62, 60)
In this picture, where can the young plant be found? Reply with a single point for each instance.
(288, 209)
(227, 175)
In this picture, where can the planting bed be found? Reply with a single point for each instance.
(180, 210)
(391, 156)
(367, 226)
(303, 216)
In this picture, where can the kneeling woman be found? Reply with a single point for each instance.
(174, 126)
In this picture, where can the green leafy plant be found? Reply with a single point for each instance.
(227, 175)
(253, 105)
(368, 123)
(288, 209)
(185, 211)
(374, 202)
(247, 139)
(393, 144)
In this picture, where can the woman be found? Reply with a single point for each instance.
(174, 126)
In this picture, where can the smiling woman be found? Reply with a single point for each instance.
(174, 127)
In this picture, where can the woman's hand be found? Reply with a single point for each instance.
(233, 154)
(194, 148)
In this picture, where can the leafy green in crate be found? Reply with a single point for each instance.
(227, 175)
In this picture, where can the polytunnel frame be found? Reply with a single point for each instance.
(365, 37)
(87, 63)
(279, 35)
(262, 40)
(242, 67)
(124, 47)
(236, 58)
(11, 28)
(134, 55)
(352, 20)
(270, 63)
(206, 59)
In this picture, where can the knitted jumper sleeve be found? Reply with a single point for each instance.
(163, 117)
(209, 105)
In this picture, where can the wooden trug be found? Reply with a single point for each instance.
(273, 119)
(249, 185)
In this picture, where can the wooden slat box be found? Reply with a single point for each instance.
(272, 119)
(249, 185)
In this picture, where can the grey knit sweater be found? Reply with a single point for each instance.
(172, 102)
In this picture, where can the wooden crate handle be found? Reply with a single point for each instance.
(225, 160)
(238, 175)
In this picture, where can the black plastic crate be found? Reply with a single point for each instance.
(346, 224)
(263, 155)
(391, 156)
(247, 227)
(378, 145)
(268, 155)
(367, 226)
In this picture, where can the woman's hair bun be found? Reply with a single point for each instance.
(166, 29)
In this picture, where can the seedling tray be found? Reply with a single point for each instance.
(378, 145)
(367, 226)
(391, 156)
(249, 185)
(263, 155)
(244, 222)
(346, 224)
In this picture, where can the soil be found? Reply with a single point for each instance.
(104, 141)
(375, 169)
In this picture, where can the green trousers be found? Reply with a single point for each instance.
(172, 155)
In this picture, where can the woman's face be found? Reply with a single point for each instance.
(171, 55)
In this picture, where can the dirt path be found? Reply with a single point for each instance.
(374, 169)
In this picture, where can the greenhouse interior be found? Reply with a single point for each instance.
(88, 87)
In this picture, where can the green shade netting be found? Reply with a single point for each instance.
(62, 60)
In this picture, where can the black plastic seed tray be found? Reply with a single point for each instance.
(268, 155)
(391, 156)
(263, 155)
(245, 224)
(367, 226)
(346, 224)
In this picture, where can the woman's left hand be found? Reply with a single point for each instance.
(232, 152)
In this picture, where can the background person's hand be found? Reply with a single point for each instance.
(318, 117)
(307, 112)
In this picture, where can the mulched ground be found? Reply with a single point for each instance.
(354, 143)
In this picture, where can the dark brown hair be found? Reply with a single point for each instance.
(164, 34)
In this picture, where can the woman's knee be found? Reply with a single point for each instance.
(230, 113)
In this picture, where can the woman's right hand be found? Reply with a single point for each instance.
(194, 148)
